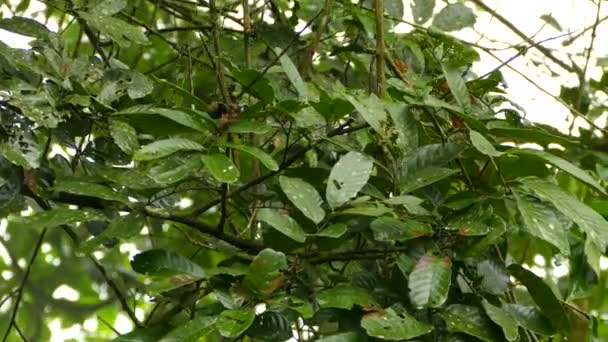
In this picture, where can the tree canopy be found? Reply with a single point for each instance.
(276, 170)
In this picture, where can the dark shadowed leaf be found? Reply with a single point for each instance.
(502, 318)
(469, 320)
(543, 296)
(25, 26)
(160, 262)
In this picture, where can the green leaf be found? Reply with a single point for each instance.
(350, 336)
(588, 220)
(264, 272)
(472, 222)
(182, 92)
(124, 136)
(90, 189)
(160, 262)
(119, 31)
(469, 320)
(257, 153)
(392, 229)
(347, 178)
(503, 319)
(458, 86)
(121, 227)
(411, 203)
(563, 165)
(483, 145)
(283, 223)
(542, 295)
(371, 108)
(304, 196)
(183, 118)
(530, 318)
(405, 124)
(345, 297)
(56, 217)
(293, 75)
(163, 148)
(549, 19)
(494, 276)
(542, 222)
(109, 7)
(334, 231)
(191, 331)
(428, 156)
(25, 26)
(422, 10)
(389, 325)
(174, 169)
(147, 334)
(394, 8)
(430, 281)
(422, 178)
(233, 323)
(454, 17)
(221, 168)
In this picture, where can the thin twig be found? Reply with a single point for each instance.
(23, 282)
(380, 54)
(545, 51)
(279, 55)
(121, 298)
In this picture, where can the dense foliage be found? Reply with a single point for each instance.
(281, 172)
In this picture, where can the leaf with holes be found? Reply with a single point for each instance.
(389, 325)
(422, 10)
(454, 17)
(121, 32)
(221, 168)
(541, 221)
(469, 320)
(233, 323)
(304, 196)
(345, 297)
(163, 148)
(586, 218)
(430, 280)
(392, 229)
(283, 223)
(25, 26)
(347, 178)
(124, 136)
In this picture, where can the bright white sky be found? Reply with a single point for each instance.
(573, 16)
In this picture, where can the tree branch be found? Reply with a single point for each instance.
(380, 53)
